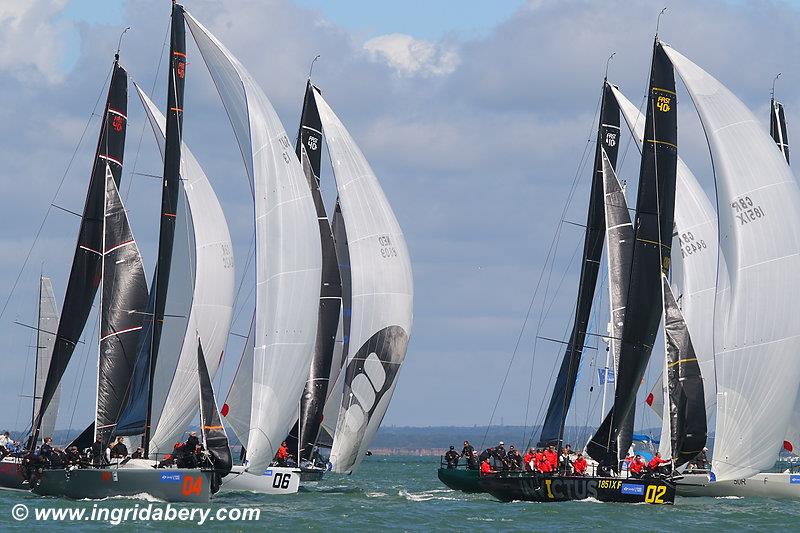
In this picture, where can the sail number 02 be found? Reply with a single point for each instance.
(281, 480)
(655, 493)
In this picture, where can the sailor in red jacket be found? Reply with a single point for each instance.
(655, 464)
(636, 467)
(528, 460)
(542, 464)
(486, 468)
(579, 465)
(552, 458)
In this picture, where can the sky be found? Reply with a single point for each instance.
(477, 117)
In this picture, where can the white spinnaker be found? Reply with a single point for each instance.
(330, 412)
(288, 250)
(48, 325)
(382, 295)
(758, 339)
(696, 224)
(239, 402)
(212, 305)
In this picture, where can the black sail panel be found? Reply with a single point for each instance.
(122, 309)
(607, 139)
(214, 436)
(777, 127)
(655, 206)
(343, 259)
(687, 410)
(85, 274)
(309, 148)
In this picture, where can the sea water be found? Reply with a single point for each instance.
(403, 494)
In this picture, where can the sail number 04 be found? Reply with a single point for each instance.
(192, 485)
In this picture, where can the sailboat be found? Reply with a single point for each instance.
(184, 309)
(261, 405)
(11, 475)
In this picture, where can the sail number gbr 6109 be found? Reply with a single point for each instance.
(387, 248)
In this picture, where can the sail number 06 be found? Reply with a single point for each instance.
(281, 481)
(655, 493)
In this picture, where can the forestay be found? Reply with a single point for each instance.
(757, 343)
(382, 295)
(212, 274)
(288, 250)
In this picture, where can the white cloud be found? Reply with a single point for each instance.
(29, 37)
(412, 57)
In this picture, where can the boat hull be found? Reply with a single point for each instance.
(170, 485)
(311, 474)
(461, 479)
(539, 488)
(765, 485)
(11, 476)
(274, 480)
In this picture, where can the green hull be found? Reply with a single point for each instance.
(461, 479)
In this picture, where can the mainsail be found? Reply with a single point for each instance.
(211, 268)
(757, 339)
(86, 271)
(696, 228)
(45, 340)
(382, 295)
(123, 301)
(651, 254)
(288, 251)
(687, 420)
(608, 140)
(777, 127)
(309, 150)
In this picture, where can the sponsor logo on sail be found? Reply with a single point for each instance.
(632, 488)
(170, 477)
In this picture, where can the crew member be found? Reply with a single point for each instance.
(46, 450)
(468, 453)
(636, 467)
(5, 439)
(528, 460)
(565, 464)
(138, 454)
(579, 465)
(514, 459)
(655, 464)
(552, 459)
(451, 457)
(119, 450)
(282, 455)
(192, 442)
(73, 457)
(486, 468)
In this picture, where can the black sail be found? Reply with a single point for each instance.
(214, 437)
(136, 415)
(309, 149)
(85, 274)
(343, 258)
(655, 206)
(687, 410)
(123, 303)
(620, 251)
(607, 139)
(777, 127)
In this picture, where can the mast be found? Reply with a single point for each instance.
(651, 255)
(607, 139)
(169, 198)
(309, 151)
(85, 273)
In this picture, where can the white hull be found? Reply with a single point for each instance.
(765, 485)
(274, 480)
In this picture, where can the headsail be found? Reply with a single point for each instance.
(309, 150)
(651, 254)
(239, 402)
(211, 269)
(85, 274)
(757, 340)
(45, 340)
(288, 251)
(607, 139)
(215, 441)
(382, 295)
(122, 306)
(688, 428)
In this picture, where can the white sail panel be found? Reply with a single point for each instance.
(239, 402)
(757, 367)
(212, 304)
(288, 250)
(48, 325)
(696, 226)
(382, 295)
